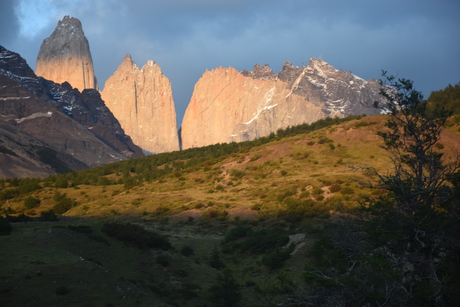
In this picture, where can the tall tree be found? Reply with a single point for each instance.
(417, 220)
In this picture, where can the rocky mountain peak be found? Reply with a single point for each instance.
(260, 72)
(127, 63)
(142, 101)
(14, 63)
(65, 56)
(49, 127)
(69, 25)
(256, 103)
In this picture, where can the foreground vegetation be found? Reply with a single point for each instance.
(315, 215)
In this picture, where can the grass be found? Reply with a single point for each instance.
(313, 175)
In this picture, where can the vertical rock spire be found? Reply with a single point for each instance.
(141, 99)
(65, 56)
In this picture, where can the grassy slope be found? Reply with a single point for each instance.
(38, 257)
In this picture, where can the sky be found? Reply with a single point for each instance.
(413, 39)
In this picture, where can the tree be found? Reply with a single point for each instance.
(416, 221)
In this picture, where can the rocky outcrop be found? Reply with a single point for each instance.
(75, 130)
(65, 56)
(142, 101)
(227, 105)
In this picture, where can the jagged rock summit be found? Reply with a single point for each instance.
(48, 128)
(142, 101)
(65, 56)
(228, 105)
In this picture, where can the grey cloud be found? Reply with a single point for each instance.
(9, 24)
(417, 39)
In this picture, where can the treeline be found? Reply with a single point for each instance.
(135, 171)
(448, 98)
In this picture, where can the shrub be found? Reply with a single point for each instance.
(324, 140)
(21, 218)
(335, 188)
(277, 258)
(439, 145)
(347, 191)
(187, 251)
(215, 261)
(136, 235)
(48, 216)
(31, 202)
(237, 174)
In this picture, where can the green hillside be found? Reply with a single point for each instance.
(262, 223)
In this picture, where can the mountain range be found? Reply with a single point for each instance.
(61, 106)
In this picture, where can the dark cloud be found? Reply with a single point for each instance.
(9, 24)
(416, 39)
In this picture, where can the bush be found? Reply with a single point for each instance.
(31, 202)
(21, 218)
(136, 235)
(48, 216)
(335, 188)
(63, 203)
(187, 251)
(347, 191)
(5, 226)
(276, 259)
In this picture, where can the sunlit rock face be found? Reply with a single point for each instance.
(228, 105)
(65, 56)
(141, 99)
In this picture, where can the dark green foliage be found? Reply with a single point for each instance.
(28, 185)
(5, 227)
(419, 215)
(31, 202)
(237, 174)
(187, 251)
(63, 203)
(48, 216)
(21, 218)
(226, 291)
(9, 193)
(448, 98)
(278, 257)
(61, 182)
(136, 236)
(215, 261)
(347, 191)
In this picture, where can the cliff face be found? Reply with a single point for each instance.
(142, 101)
(73, 130)
(65, 56)
(227, 105)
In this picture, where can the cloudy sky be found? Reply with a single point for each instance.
(414, 39)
